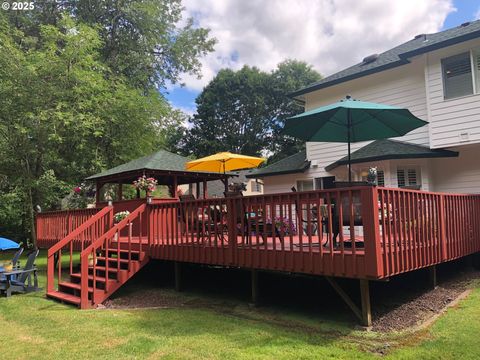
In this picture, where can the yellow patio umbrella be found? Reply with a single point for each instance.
(223, 162)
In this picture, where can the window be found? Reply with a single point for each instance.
(457, 76)
(461, 74)
(408, 177)
(326, 182)
(380, 178)
(256, 186)
(304, 185)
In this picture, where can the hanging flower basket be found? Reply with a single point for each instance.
(148, 185)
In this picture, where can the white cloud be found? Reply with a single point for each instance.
(330, 34)
(477, 14)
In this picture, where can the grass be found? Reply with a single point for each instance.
(35, 327)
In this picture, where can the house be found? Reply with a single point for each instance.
(437, 77)
(217, 188)
(365, 233)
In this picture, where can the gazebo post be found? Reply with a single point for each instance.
(205, 194)
(98, 187)
(175, 185)
(138, 193)
(197, 185)
(120, 191)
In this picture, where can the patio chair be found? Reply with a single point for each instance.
(15, 280)
(15, 262)
(241, 220)
(312, 226)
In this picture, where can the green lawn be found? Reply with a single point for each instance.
(37, 328)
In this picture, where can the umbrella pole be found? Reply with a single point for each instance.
(226, 177)
(349, 127)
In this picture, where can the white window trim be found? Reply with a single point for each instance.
(405, 168)
(474, 71)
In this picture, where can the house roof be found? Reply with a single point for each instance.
(293, 164)
(399, 55)
(161, 162)
(391, 150)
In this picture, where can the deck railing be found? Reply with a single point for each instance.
(365, 232)
(420, 228)
(313, 232)
(360, 232)
(54, 225)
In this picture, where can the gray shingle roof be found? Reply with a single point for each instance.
(391, 150)
(160, 160)
(399, 55)
(293, 164)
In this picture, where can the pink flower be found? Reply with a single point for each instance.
(77, 190)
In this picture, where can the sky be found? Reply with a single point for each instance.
(328, 34)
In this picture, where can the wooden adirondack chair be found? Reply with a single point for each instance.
(15, 280)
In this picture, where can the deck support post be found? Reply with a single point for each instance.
(350, 303)
(254, 279)
(366, 306)
(178, 275)
(432, 277)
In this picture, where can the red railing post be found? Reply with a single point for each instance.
(50, 273)
(150, 231)
(442, 234)
(371, 232)
(84, 282)
(232, 231)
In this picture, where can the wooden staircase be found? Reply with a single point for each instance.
(105, 265)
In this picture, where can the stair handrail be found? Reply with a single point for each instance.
(72, 235)
(94, 246)
(108, 210)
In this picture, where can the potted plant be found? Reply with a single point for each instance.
(149, 185)
(119, 216)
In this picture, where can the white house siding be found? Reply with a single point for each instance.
(282, 183)
(403, 86)
(452, 117)
(458, 175)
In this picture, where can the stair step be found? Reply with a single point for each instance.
(124, 251)
(103, 268)
(101, 258)
(72, 299)
(75, 286)
(90, 277)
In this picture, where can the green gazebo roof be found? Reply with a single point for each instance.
(161, 164)
(391, 150)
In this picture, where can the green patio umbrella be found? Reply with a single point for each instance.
(350, 121)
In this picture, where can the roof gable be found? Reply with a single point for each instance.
(293, 164)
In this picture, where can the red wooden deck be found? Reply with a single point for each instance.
(396, 231)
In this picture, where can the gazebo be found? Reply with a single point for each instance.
(166, 167)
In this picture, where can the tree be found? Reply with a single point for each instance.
(141, 39)
(232, 114)
(64, 115)
(244, 111)
(290, 75)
